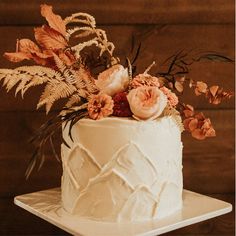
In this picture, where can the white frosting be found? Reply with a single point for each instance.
(119, 169)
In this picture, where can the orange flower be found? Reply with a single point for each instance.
(172, 98)
(144, 80)
(100, 106)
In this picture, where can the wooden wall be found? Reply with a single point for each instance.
(164, 27)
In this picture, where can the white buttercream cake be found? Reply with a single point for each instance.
(120, 169)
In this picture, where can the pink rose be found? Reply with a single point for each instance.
(146, 103)
(113, 80)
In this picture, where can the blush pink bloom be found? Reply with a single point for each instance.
(144, 80)
(100, 106)
(146, 103)
(113, 80)
(172, 98)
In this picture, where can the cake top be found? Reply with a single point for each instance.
(76, 61)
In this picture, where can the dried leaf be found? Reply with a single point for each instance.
(198, 134)
(193, 124)
(27, 46)
(179, 86)
(17, 56)
(191, 83)
(188, 113)
(200, 88)
(214, 89)
(49, 38)
(54, 21)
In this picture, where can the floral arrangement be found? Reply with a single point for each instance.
(95, 83)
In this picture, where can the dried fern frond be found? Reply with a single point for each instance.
(26, 76)
(82, 18)
(87, 28)
(74, 99)
(53, 91)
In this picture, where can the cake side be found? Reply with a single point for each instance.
(119, 169)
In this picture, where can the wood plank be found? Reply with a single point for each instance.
(16, 221)
(158, 44)
(208, 165)
(125, 12)
(223, 225)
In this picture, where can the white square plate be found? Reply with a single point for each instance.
(47, 205)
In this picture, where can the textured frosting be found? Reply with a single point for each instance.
(119, 169)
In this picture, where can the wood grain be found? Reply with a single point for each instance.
(125, 12)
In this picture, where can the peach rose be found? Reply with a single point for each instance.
(113, 80)
(146, 103)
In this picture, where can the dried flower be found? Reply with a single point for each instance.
(172, 98)
(146, 102)
(113, 80)
(100, 106)
(200, 88)
(144, 80)
(199, 126)
(216, 94)
(188, 110)
(121, 105)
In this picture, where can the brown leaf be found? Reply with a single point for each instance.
(17, 56)
(200, 88)
(193, 124)
(27, 46)
(54, 21)
(189, 107)
(188, 113)
(198, 134)
(179, 86)
(41, 58)
(214, 89)
(67, 57)
(191, 83)
(49, 38)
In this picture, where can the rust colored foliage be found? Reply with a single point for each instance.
(197, 124)
(50, 40)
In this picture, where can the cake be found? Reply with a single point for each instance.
(119, 169)
(121, 127)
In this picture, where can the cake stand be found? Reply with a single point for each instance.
(47, 205)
